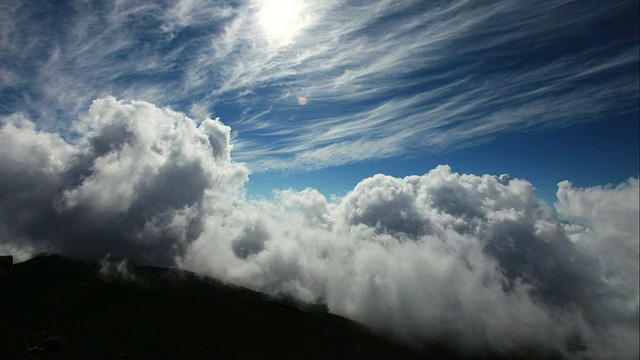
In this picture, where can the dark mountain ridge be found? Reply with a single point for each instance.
(52, 307)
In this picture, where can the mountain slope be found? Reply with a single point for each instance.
(57, 308)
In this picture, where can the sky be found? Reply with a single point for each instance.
(391, 87)
(366, 155)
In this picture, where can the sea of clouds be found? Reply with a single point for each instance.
(477, 260)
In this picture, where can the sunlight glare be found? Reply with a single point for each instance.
(281, 19)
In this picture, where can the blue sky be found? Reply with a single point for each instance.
(544, 91)
(589, 154)
(110, 149)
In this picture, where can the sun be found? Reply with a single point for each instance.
(280, 20)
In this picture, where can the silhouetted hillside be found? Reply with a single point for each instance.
(58, 308)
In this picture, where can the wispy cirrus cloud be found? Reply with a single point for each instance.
(408, 76)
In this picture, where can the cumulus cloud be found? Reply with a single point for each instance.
(477, 261)
(604, 220)
(134, 173)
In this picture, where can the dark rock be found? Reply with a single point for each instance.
(6, 262)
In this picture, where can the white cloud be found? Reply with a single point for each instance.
(139, 148)
(25, 149)
(442, 255)
(474, 260)
(604, 220)
(134, 175)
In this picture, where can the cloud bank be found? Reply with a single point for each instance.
(477, 261)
